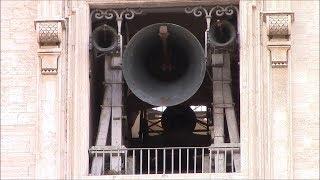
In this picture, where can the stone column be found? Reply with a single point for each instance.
(49, 27)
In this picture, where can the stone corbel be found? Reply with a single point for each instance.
(49, 34)
(279, 55)
(278, 26)
(49, 61)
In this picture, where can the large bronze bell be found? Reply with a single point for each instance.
(164, 64)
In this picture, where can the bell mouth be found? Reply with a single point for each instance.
(105, 38)
(164, 73)
(221, 33)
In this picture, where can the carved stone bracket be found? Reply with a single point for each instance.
(49, 31)
(279, 55)
(49, 39)
(278, 26)
(49, 61)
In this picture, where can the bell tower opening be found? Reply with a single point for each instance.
(177, 104)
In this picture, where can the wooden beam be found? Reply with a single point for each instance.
(104, 122)
(218, 113)
(230, 113)
(116, 116)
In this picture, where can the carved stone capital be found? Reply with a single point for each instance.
(49, 33)
(278, 24)
(49, 61)
(279, 55)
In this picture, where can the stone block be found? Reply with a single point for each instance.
(27, 118)
(9, 119)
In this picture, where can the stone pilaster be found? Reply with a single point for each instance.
(278, 28)
(49, 27)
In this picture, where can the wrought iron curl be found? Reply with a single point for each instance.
(197, 11)
(100, 14)
(228, 10)
(109, 14)
(130, 13)
(215, 10)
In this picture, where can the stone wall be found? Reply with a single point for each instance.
(19, 107)
(305, 89)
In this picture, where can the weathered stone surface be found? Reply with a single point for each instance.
(305, 90)
(18, 89)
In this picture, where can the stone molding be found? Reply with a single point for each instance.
(49, 33)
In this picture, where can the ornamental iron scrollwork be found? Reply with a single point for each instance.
(216, 10)
(119, 14)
